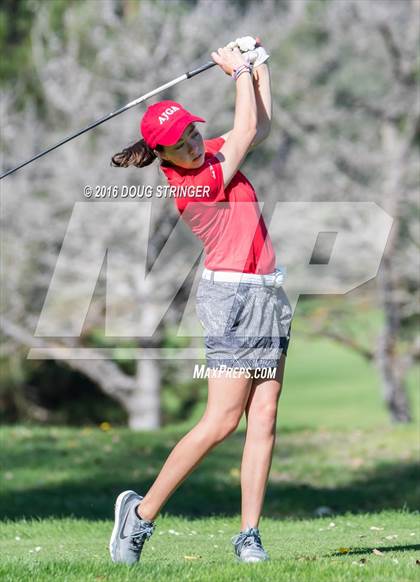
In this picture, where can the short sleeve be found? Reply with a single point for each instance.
(214, 145)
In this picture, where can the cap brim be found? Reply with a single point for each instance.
(177, 129)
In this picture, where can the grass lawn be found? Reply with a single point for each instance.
(375, 547)
(335, 450)
(326, 385)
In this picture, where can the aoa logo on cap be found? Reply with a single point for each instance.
(166, 114)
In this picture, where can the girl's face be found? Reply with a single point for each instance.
(188, 152)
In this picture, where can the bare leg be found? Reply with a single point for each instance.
(261, 414)
(226, 402)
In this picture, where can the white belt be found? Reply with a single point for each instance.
(275, 279)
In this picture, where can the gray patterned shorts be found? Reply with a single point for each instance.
(246, 325)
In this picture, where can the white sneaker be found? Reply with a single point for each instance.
(248, 546)
(130, 532)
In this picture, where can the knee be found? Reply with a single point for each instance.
(219, 428)
(228, 426)
(263, 420)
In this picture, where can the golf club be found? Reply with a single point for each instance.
(183, 77)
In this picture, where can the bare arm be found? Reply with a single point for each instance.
(244, 129)
(262, 88)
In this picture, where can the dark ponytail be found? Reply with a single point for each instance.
(139, 155)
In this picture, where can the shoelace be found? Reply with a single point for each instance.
(144, 532)
(248, 538)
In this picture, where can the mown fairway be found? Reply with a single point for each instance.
(335, 449)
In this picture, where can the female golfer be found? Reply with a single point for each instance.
(240, 301)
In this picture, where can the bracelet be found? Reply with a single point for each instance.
(240, 73)
(237, 71)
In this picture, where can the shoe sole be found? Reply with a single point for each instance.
(117, 510)
(251, 560)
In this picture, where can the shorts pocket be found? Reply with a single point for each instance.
(214, 305)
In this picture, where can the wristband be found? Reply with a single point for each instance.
(244, 68)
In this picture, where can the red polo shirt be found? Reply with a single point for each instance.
(234, 236)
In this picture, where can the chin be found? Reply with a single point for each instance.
(198, 163)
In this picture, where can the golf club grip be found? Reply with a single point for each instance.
(200, 69)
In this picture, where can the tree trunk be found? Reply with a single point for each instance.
(143, 404)
(390, 364)
(394, 391)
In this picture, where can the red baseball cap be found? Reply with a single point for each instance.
(164, 122)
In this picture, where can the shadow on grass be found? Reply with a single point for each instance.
(91, 478)
(359, 551)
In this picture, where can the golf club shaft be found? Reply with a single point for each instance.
(183, 77)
